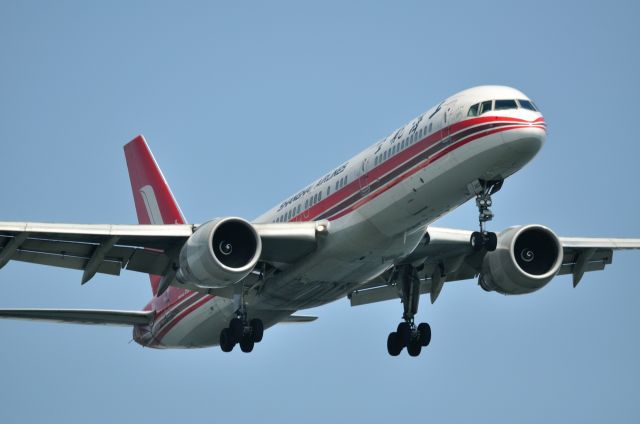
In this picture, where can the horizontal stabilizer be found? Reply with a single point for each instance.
(296, 319)
(81, 316)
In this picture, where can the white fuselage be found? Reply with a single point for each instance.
(378, 205)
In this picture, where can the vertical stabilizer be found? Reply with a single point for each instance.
(154, 201)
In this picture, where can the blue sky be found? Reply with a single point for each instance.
(245, 103)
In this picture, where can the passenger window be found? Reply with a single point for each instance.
(485, 106)
(526, 104)
(473, 110)
(319, 196)
(328, 190)
(505, 104)
(430, 126)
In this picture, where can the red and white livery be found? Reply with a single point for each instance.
(362, 230)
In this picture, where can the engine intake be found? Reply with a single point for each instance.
(526, 259)
(219, 253)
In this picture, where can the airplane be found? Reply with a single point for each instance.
(362, 231)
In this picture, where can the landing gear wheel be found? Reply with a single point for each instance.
(236, 328)
(477, 241)
(404, 333)
(246, 343)
(486, 240)
(257, 330)
(424, 334)
(492, 242)
(226, 342)
(414, 347)
(394, 344)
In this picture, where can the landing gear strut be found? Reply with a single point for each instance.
(241, 330)
(408, 335)
(483, 239)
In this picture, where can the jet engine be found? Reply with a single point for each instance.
(525, 260)
(219, 253)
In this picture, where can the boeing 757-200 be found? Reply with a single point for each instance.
(362, 230)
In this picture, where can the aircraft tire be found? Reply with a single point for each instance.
(246, 343)
(394, 344)
(414, 348)
(404, 333)
(424, 334)
(491, 242)
(477, 241)
(226, 344)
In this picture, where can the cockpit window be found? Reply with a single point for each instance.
(485, 106)
(526, 104)
(473, 110)
(506, 104)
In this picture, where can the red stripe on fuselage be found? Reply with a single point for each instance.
(171, 324)
(417, 168)
(401, 157)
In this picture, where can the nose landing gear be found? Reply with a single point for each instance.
(483, 239)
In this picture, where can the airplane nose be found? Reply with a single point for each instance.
(527, 140)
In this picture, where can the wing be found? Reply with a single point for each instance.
(81, 316)
(150, 249)
(448, 252)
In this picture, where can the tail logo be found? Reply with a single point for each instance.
(151, 204)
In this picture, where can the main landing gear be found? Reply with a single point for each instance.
(408, 335)
(484, 240)
(243, 332)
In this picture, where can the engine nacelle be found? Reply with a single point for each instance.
(526, 259)
(219, 253)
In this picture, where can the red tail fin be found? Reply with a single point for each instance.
(154, 201)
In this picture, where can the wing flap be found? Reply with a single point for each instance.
(81, 316)
(298, 319)
(64, 261)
